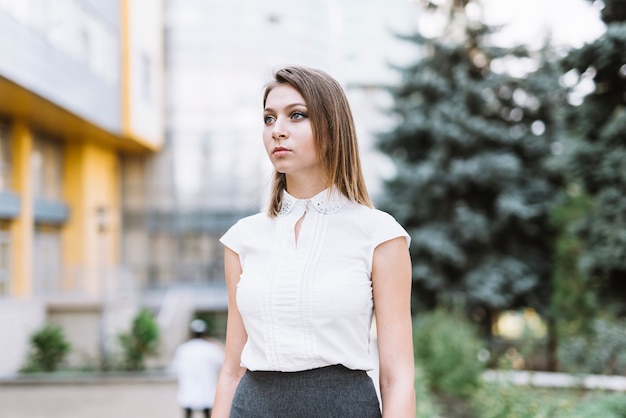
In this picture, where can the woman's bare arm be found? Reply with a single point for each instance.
(391, 281)
(236, 337)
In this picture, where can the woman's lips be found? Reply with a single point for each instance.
(280, 151)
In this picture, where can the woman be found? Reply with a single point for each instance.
(304, 277)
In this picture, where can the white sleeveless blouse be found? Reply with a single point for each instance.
(308, 304)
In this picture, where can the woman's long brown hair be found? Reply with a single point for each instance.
(333, 132)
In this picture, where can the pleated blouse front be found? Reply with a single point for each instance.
(307, 303)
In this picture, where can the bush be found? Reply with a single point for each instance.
(425, 407)
(48, 350)
(447, 348)
(495, 400)
(141, 342)
(603, 352)
(500, 400)
(611, 406)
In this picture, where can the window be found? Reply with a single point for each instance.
(47, 166)
(47, 260)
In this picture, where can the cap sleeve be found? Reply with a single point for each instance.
(232, 238)
(387, 228)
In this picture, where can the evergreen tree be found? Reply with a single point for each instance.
(472, 182)
(573, 301)
(598, 160)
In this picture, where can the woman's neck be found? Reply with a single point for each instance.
(304, 188)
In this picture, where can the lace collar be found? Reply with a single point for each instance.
(326, 202)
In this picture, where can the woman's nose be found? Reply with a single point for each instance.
(279, 131)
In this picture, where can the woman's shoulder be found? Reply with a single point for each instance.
(380, 225)
(364, 212)
(256, 220)
(240, 232)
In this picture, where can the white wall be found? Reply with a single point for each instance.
(146, 70)
(18, 320)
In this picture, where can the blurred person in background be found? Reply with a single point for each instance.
(197, 363)
(305, 276)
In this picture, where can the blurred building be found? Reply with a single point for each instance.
(212, 169)
(80, 89)
(130, 140)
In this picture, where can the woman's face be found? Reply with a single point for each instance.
(288, 136)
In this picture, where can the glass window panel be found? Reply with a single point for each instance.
(47, 260)
(47, 167)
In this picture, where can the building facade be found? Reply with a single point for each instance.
(212, 168)
(80, 88)
(130, 140)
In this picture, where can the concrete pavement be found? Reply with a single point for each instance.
(154, 396)
(92, 399)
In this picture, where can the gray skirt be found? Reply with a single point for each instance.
(326, 392)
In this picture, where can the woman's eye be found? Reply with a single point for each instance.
(268, 119)
(298, 115)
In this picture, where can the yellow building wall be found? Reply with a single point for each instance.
(91, 238)
(22, 228)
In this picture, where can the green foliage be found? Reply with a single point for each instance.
(573, 303)
(141, 342)
(613, 11)
(48, 349)
(447, 348)
(425, 407)
(509, 401)
(601, 352)
(528, 352)
(473, 185)
(598, 159)
(610, 406)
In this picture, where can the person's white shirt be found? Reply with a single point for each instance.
(196, 364)
(308, 303)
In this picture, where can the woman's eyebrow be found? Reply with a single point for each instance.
(289, 106)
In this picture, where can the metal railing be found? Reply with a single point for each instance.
(103, 284)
